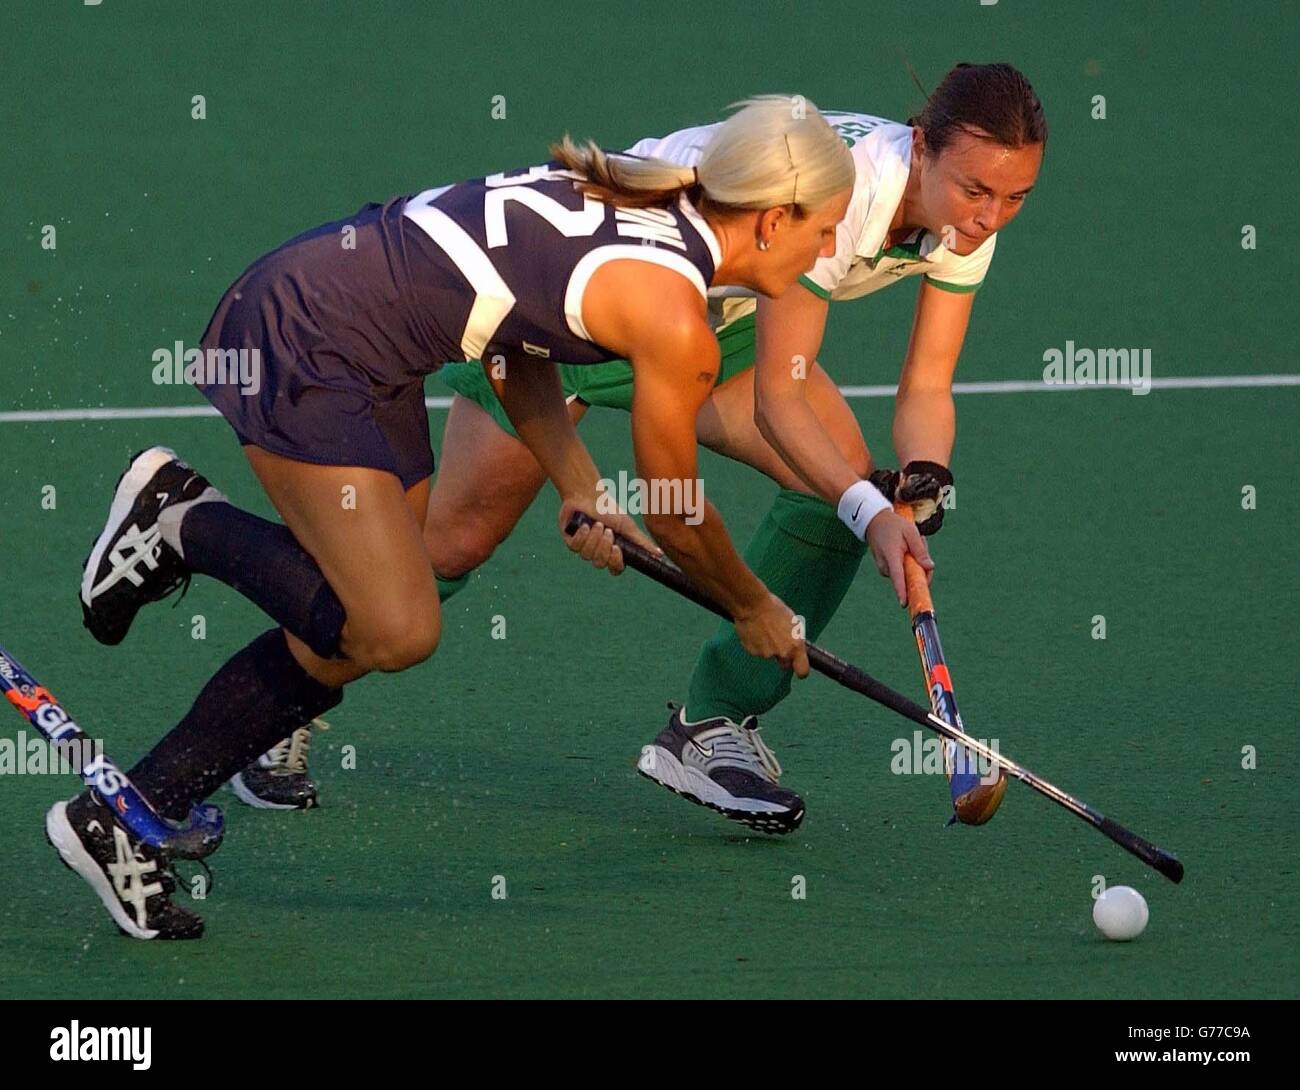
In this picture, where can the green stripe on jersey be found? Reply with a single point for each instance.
(816, 289)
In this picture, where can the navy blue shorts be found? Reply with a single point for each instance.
(332, 366)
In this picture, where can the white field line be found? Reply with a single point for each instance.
(1204, 382)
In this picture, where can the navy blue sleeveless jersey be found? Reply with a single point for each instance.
(347, 319)
(522, 247)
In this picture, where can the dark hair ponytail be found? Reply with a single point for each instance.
(993, 101)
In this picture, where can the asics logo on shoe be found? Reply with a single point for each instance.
(133, 548)
(93, 826)
(128, 872)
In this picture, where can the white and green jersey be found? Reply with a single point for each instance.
(882, 156)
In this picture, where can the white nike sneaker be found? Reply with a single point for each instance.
(725, 766)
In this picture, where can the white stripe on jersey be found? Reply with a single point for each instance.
(493, 300)
(594, 259)
(701, 225)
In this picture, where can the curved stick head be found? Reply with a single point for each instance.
(200, 836)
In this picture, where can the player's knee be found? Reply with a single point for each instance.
(456, 551)
(402, 638)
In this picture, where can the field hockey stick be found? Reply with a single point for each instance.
(200, 836)
(851, 677)
(974, 800)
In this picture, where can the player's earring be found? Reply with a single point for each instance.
(764, 245)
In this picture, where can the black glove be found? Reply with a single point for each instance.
(924, 486)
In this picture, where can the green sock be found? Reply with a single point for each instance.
(808, 558)
(449, 587)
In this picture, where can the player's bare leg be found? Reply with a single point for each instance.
(280, 778)
(486, 480)
(355, 523)
(360, 527)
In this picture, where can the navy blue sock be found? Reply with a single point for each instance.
(264, 562)
(255, 700)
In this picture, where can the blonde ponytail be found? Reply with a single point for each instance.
(623, 179)
(774, 150)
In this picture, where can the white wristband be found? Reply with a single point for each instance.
(861, 503)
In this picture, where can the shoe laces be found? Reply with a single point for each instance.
(290, 755)
(745, 744)
(753, 740)
(147, 547)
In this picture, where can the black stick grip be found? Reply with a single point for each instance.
(1156, 858)
(659, 569)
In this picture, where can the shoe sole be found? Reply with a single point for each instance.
(129, 486)
(61, 835)
(246, 796)
(660, 766)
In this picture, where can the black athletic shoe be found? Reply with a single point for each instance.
(725, 766)
(278, 780)
(132, 879)
(130, 565)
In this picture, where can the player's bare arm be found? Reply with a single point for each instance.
(675, 360)
(925, 419)
(530, 393)
(789, 333)
(788, 338)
